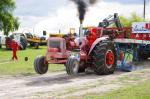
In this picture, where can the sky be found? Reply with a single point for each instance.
(54, 15)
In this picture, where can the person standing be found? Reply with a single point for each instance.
(14, 49)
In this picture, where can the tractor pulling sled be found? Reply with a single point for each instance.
(102, 48)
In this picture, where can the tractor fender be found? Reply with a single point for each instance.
(96, 42)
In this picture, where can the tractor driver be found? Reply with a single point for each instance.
(91, 37)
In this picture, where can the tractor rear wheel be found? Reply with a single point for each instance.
(40, 66)
(73, 66)
(104, 58)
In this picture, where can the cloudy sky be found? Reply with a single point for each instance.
(52, 15)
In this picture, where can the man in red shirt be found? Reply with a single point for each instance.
(14, 49)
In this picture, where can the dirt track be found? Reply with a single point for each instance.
(60, 85)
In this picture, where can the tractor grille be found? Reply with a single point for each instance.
(54, 44)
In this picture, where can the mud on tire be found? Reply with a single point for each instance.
(40, 66)
(101, 60)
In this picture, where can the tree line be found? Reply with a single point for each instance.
(8, 22)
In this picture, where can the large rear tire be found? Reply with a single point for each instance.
(40, 66)
(104, 58)
(73, 66)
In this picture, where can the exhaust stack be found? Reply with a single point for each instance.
(81, 30)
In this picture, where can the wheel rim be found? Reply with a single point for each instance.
(75, 67)
(109, 61)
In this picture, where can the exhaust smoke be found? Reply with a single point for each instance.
(82, 6)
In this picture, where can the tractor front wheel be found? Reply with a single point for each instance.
(73, 66)
(40, 66)
(104, 58)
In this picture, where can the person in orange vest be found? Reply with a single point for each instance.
(14, 49)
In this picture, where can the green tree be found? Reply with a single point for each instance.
(7, 20)
(127, 21)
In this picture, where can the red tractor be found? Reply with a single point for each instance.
(97, 50)
(103, 47)
(58, 51)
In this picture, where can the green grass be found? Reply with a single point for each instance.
(140, 91)
(20, 67)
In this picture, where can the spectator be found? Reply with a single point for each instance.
(14, 49)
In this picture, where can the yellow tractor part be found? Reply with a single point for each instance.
(72, 31)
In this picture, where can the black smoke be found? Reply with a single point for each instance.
(92, 1)
(82, 7)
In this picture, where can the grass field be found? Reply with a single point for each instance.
(140, 91)
(21, 67)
